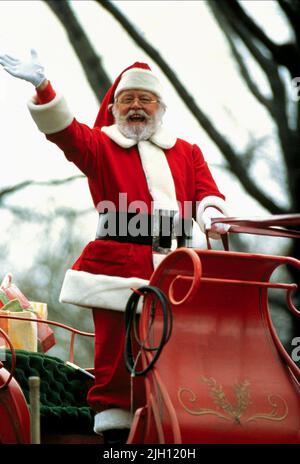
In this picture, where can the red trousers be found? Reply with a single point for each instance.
(112, 383)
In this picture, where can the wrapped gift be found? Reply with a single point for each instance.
(46, 338)
(23, 334)
(12, 292)
(26, 335)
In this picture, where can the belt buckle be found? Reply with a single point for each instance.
(157, 230)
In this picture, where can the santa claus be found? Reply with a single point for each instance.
(133, 167)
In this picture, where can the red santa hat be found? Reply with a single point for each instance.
(136, 76)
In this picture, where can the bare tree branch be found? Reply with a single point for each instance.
(292, 12)
(250, 41)
(289, 138)
(286, 54)
(90, 61)
(14, 188)
(29, 215)
(266, 102)
(54, 182)
(278, 104)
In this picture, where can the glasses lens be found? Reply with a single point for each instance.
(142, 100)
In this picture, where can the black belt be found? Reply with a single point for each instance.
(139, 228)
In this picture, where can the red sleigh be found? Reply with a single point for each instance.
(223, 375)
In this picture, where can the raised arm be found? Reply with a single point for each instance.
(52, 115)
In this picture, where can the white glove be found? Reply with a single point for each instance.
(217, 228)
(31, 71)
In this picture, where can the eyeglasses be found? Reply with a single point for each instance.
(144, 101)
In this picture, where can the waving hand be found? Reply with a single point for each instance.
(31, 70)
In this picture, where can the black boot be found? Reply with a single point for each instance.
(115, 436)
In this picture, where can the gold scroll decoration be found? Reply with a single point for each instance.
(232, 412)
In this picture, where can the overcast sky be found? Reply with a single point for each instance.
(187, 37)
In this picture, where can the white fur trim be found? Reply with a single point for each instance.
(138, 78)
(162, 138)
(98, 290)
(158, 175)
(216, 202)
(112, 419)
(114, 134)
(51, 117)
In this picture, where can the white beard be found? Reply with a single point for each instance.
(141, 131)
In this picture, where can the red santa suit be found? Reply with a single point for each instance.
(162, 170)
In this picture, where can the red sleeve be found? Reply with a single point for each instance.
(45, 95)
(80, 145)
(77, 141)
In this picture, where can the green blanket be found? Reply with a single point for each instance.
(63, 392)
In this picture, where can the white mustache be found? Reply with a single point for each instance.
(139, 113)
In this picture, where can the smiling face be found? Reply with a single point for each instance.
(136, 100)
(137, 113)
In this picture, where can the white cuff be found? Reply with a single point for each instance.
(51, 117)
(98, 290)
(213, 201)
(112, 419)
